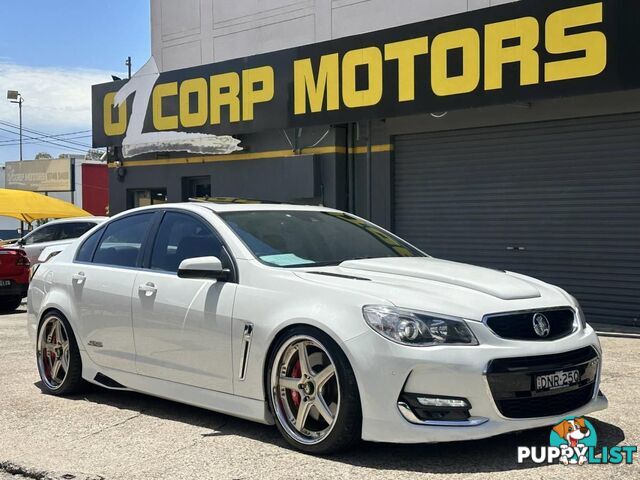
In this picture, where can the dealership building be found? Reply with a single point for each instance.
(497, 133)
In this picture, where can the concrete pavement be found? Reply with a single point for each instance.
(115, 435)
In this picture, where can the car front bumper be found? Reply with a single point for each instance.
(386, 370)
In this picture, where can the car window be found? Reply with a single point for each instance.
(73, 230)
(121, 244)
(180, 237)
(309, 238)
(85, 252)
(47, 233)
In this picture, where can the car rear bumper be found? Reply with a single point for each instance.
(392, 377)
(14, 290)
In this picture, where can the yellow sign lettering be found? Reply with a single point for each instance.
(251, 96)
(371, 58)
(198, 87)
(161, 122)
(405, 53)
(442, 83)
(326, 86)
(524, 30)
(225, 91)
(592, 44)
(119, 127)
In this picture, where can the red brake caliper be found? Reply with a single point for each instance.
(296, 373)
(50, 357)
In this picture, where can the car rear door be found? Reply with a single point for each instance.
(182, 327)
(102, 280)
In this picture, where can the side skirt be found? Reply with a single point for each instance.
(226, 403)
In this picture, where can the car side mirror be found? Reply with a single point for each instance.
(203, 268)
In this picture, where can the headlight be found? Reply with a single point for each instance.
(417, 329)
(581, 318)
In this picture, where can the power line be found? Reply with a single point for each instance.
(59, 145)
(67, 136)
(11, 143)
(41, 135)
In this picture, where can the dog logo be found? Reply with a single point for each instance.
(574, 436)
(541, 325)
(574, 441)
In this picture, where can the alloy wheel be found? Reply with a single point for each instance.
(305, 390)
(54, 356)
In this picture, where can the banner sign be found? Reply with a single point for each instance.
(517, 52)
(40, 175)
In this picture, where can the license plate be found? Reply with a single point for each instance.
(557, 380)
(5, 283)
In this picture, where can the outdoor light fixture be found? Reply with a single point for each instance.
(15, 97)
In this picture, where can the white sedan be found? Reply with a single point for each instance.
(313, 319)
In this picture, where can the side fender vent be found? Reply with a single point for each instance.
(108, 382)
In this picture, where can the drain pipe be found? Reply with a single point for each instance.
(369, 174)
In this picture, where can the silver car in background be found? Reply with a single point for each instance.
(57, 233)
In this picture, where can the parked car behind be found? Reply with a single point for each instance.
(14, 278)
(55, 233)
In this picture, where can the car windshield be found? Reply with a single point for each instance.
(293, 239)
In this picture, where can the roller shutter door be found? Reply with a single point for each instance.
(557, 200)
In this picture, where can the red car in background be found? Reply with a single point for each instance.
(14, 278)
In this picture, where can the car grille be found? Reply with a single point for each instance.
(513, 383)
(547, 406)
(519, 326)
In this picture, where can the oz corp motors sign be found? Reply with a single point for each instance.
(521, 51)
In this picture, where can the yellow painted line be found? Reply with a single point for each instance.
(374, 149)
(235, 157)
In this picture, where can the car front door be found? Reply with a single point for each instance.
(102, 280)
(182, 327)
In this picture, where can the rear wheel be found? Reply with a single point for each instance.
(58, 356)
(10, 304)
(313, 393)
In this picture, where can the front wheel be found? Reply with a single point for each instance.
(313, 393)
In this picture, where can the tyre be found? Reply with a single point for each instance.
(58, 356)
(10, 304)
(313, 393)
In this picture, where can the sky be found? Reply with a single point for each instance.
(52, 52)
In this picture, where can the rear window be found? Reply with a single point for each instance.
(69, 231)
(122, 242)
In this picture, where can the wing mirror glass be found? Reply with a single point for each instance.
(205, 268)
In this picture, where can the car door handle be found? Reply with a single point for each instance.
(79, 278)
(149, 289)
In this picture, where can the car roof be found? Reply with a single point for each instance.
(257, 207)
(237, 207)
(95, 220)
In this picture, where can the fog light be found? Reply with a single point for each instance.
(443, 402)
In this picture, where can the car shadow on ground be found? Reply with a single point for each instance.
(22, 309)
(477, 456)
